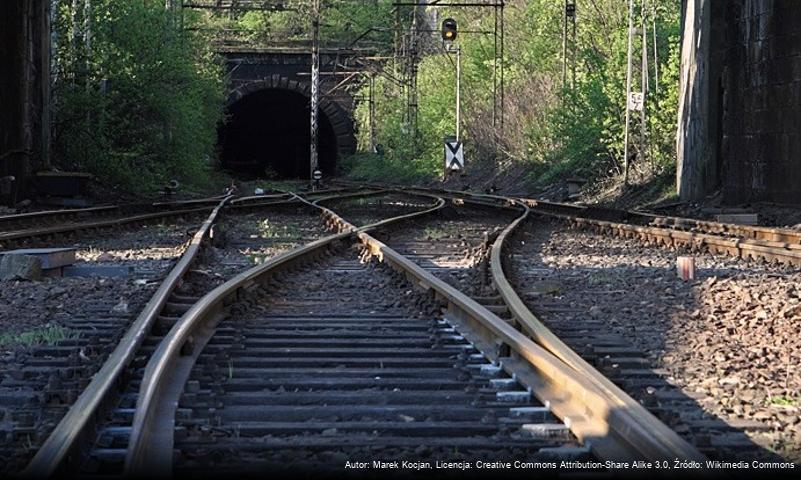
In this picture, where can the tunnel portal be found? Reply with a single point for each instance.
(266, 134)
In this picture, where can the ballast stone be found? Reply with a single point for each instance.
(20, 267)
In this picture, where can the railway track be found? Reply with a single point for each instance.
(587, 342)
(45, 218)
(591, 310)
(148, 415)
(260, 338)
(757, 243)
(339, 362)
(34, 228)
(240, 251)
(27, 229)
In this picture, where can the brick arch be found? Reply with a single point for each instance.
(340, 119)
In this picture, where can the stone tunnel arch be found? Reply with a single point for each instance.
(266, 131)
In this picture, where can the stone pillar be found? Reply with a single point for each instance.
(693, 144)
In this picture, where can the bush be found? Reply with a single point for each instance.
(553, 133)
(140, 103)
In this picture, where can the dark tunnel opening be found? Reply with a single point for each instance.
(267, 135)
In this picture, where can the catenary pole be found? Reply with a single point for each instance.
(628, 96)
(315, 87)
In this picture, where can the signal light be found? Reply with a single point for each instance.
(449, 30)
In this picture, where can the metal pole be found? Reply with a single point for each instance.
(656, 57)
(315, 87)
(87, 39)
(495, 71)
(644, 86)
(564, 46)
(628, 96)
(73, 42)
(458, 91)
(372, 114)
(573, 46)
(503, 65)
(398, 40)
(413, 79)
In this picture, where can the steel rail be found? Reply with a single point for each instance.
(585, 408)
(753, 232)
(74, 227)
(269, 199)
(745, 248)
(213, 200)
(257, 198)
(79, 420)
(287, 194)
(737, 247)
(744, 241)
(632, 423)
(572, 395)
(584, 411)
(56, 213)
(125, 208)
(151, 442)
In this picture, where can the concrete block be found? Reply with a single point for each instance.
(50, 257)
(738, 218)
(20, 267)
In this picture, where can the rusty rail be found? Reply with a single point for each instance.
(743, 241)
(612, 429)
(114, 222)
(6, 219)
(79, 419)
(151, 442)
(615, 426)
(629, 421)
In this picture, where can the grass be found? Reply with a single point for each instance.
(259, 258)
(162, 228)
(381, 168)
(283, 185)
(289, 233)
(435, 233)
(362, 201)
(47, 335)
(783, 401)
(601, 278)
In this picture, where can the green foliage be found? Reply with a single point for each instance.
(343, 22)
(137, 102)
(783, 401)
(555, 133)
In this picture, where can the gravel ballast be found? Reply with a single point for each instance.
(731, 338)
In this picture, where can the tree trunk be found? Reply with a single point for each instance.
(24, 92)
(693, 143)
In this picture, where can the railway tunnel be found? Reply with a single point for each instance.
(266, 132)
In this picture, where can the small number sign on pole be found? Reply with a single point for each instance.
(454, 156)
(636, 101)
